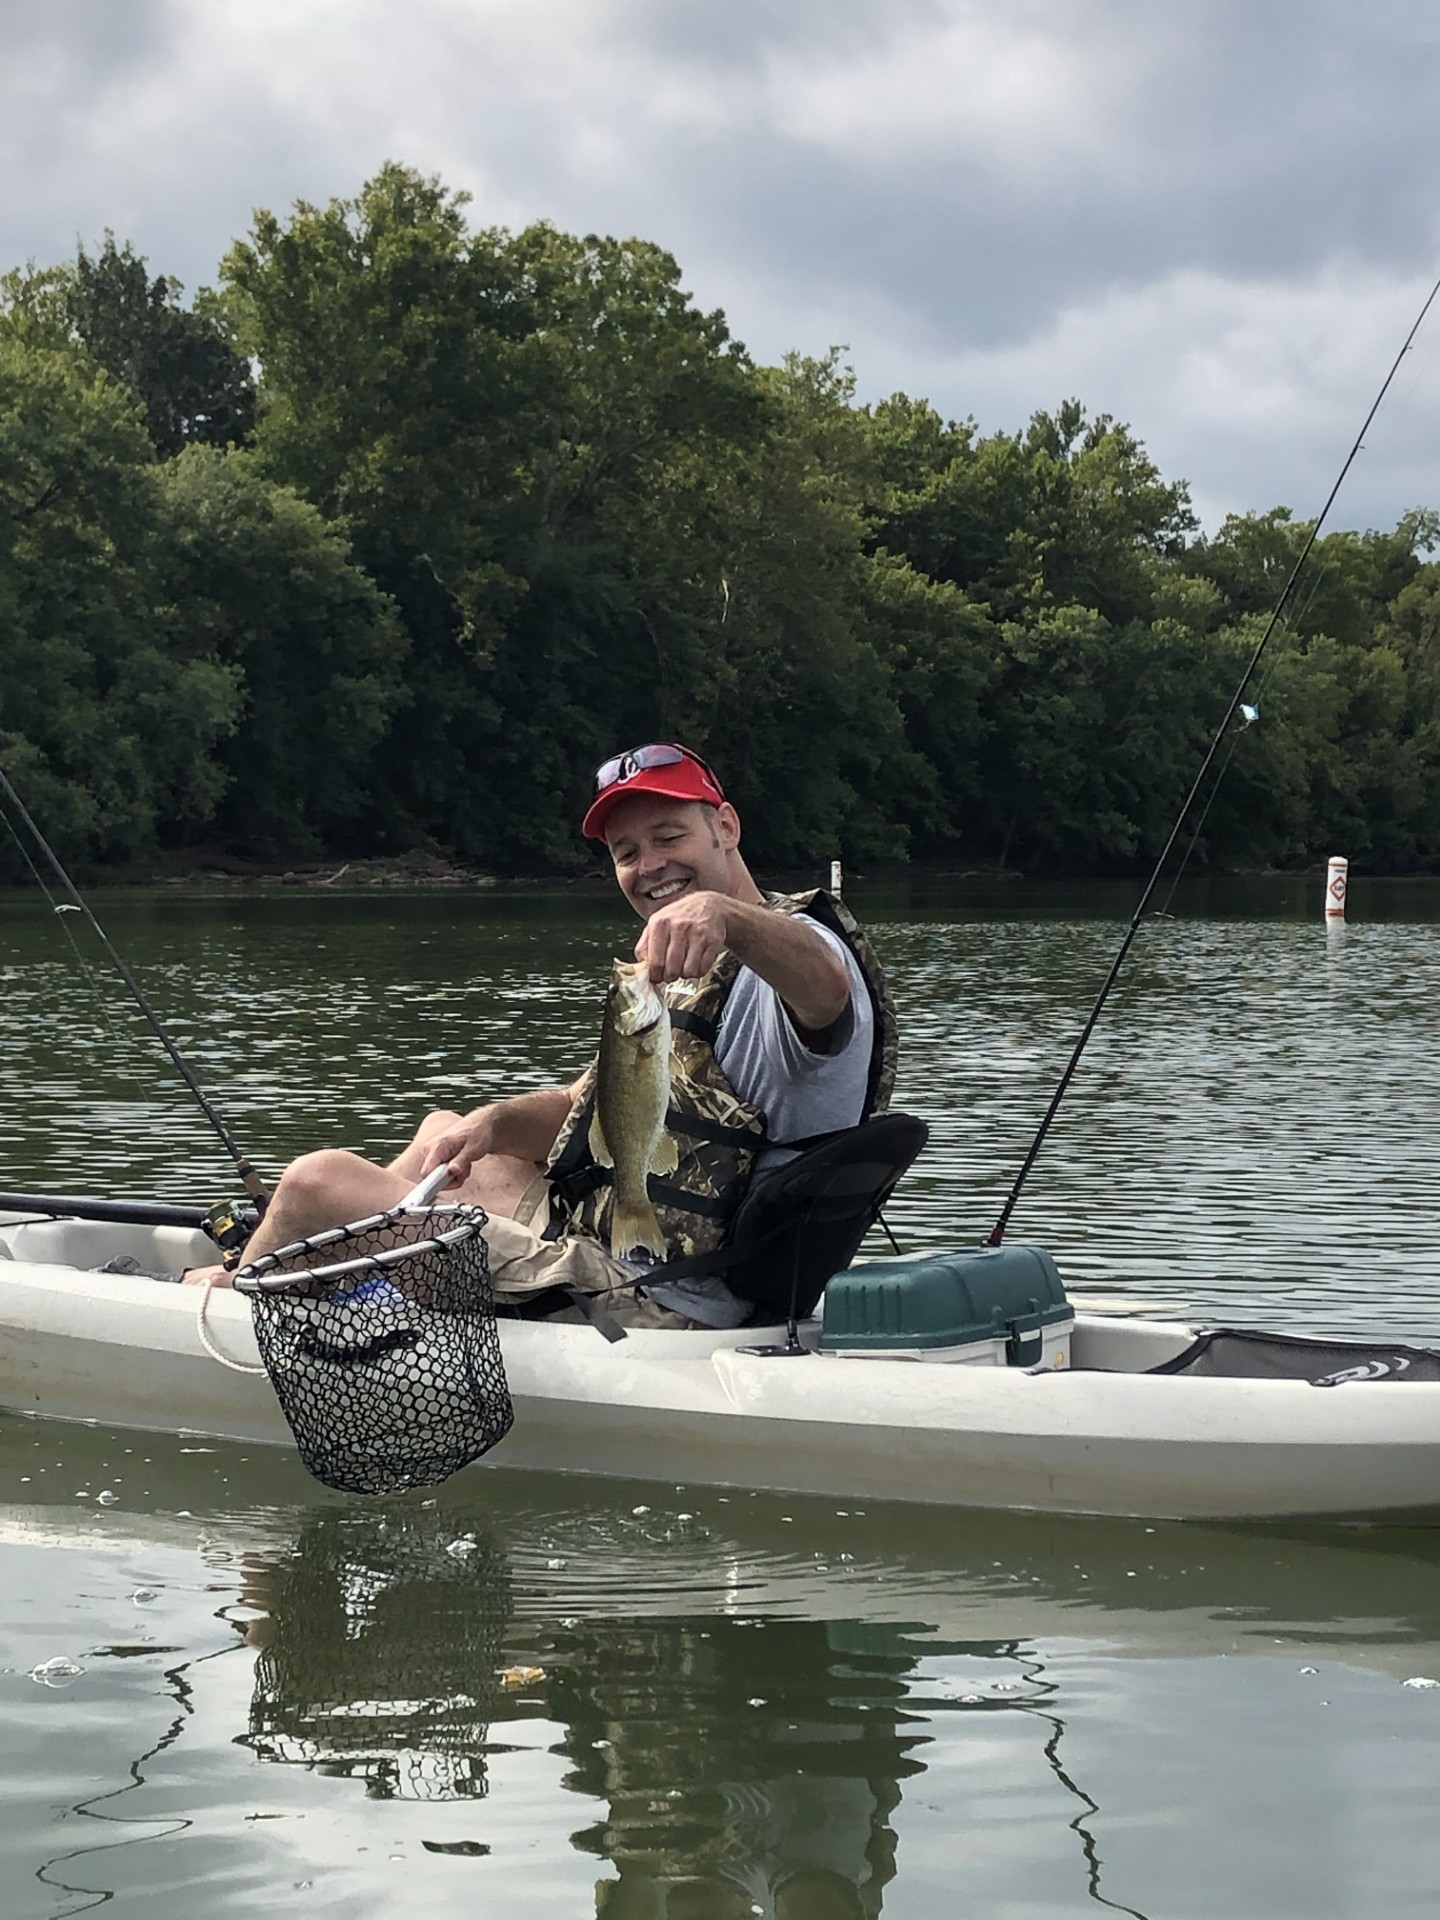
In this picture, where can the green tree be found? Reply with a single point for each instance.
(1349, 580)
(178, 365)
(191, 385)
(791, 689)
(107, 723)
(519, 430)
(1071, 512)
(252, 578)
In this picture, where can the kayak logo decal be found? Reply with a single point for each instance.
(1383, 1367)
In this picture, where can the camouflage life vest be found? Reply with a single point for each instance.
(718, 1134)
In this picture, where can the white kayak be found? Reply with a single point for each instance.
(1101, 1435)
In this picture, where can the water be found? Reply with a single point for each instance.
(1254, 1131)
(659, 1701)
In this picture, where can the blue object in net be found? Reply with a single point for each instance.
(373, 1291)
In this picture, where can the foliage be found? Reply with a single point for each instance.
(255, 581)
(191, 385)
(391, 539)
(111, 728)
(178, 366)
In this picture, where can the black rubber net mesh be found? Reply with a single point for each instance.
(390, 1374)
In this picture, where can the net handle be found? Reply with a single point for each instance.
(422, 1195)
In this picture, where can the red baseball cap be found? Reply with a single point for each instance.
(662, 767)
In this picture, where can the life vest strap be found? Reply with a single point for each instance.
(696, 1023)
(707, 1205)
(700, 1127)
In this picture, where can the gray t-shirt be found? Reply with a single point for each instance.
(799, 1093)
(768, 1064)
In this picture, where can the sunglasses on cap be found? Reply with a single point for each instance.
(624, 766)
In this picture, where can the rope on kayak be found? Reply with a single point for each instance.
(235, 1366)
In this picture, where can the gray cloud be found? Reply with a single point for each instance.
(993, 204)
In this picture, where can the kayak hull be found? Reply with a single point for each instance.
(1101, 1437)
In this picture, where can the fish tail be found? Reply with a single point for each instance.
(634, 1225)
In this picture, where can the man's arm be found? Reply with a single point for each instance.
(523, 1127)
(684, 941)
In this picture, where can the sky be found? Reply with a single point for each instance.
(1213, 219)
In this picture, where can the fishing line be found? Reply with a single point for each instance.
(997, 1232)
(1250, 714)
(1421, 364)
(125, 1044)
(253, 1183)
(1291, 628)
(60, 910)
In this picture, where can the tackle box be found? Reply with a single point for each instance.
(986, 1306)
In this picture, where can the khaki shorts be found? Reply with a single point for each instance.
(523, 1265)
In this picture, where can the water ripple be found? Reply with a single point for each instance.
(1252, 1131)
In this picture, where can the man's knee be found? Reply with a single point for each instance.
(327, 1188)
(315, 1176)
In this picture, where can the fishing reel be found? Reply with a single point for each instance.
(230, 1224)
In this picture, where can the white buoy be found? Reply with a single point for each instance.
(835, 878)
(1337, 875)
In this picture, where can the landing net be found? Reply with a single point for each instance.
(380, 1342)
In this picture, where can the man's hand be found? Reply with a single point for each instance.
(460, 1147)
(682, 941)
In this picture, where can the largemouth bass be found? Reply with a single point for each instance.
(632, 1092)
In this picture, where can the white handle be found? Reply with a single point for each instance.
(422, 1195)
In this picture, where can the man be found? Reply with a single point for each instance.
(782, 1026)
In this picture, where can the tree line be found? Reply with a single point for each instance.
(388, 540)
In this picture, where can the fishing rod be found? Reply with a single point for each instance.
(254, 1186)
(997, 1232)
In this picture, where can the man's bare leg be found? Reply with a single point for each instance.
(409, 1163)
(318, 1190)
(329, 1188)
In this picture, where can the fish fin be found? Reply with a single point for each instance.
(633, 1225)
(598, 1149)
(666, 1157)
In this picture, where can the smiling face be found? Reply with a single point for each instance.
(663, 849)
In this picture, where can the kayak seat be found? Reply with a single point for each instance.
(801, 1224)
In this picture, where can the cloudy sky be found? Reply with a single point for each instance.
(1215, 219)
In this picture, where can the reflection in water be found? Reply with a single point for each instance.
(748, 1764)
(1080, 1825)
(738, 1781)
(735, 1781)
(744, 1702)
(378, 1654)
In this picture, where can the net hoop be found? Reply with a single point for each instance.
(261, 1276)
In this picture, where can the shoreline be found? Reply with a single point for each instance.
(425, 872)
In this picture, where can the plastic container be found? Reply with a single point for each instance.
(986, 1306)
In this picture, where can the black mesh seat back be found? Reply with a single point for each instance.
(799, 1226)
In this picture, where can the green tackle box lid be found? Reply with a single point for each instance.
(943, 1300)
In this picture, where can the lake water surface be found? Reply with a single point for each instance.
(569, 1696)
